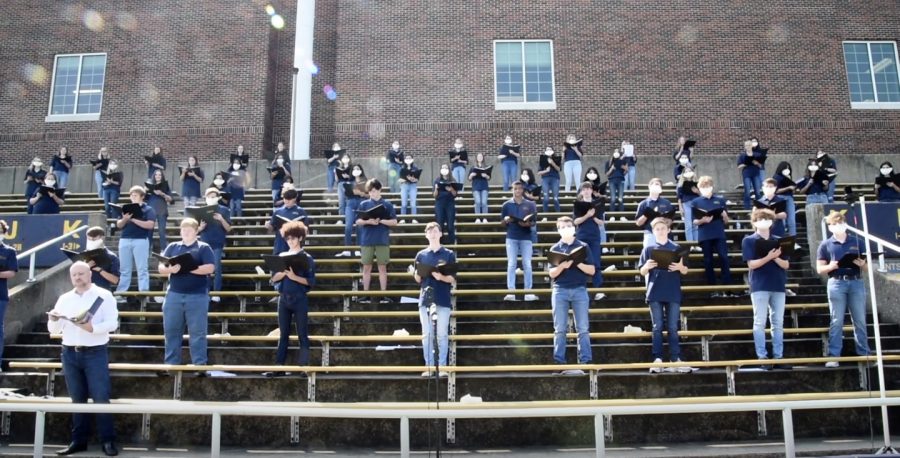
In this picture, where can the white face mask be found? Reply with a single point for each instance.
(706, 191)
(838, 228)
(548, 152)
(445, 171)
(683, 160)
(212, 200)
(592, 176)
(93, 244)
(458, 146)
(280, 161)
(357, 173)
(345, 161)
(886, 170)
(786, 172)
(524, 177)
(408, 161)
(50, 182)
(688, 174)
(655, 189)
(235, 166)
(763, 224)
(507, 141)
(820, 154)
(218, 182)
(566, 232)
(754, 144)
(396, 146)
(615, 155)
(769, 192)
(113, 166)
(37, 164)
(814, 168)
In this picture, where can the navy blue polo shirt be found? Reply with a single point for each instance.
(781, 181)
(511, 208)
(815, 188)
(529, 188)
(57, 163)
(443, 194)
(504, 150)
(770, 277)
(553, 173)
(750, 170)
(98, 279)
(289, 213)
(186, 282)
(379, 234)
(661, 203)
(571, 155)
(833, 250)
(394, 157)
(117, 177)
(235, 185)
(214, 234)
(479, 182)
(589, 230)
(662, 285)
(8, 262)
(31, 186)
(778, 225)
(45, 205)
(277, 183)
(572, 277)
(190, 187)
(617, 174)
(441, 289)
(288, 286)
(887, 193)
(685, 191)
(715, 229)
(132, 231)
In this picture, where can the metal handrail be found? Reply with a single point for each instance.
(32, 252)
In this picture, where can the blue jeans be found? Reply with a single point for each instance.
(161, 228)
(672, 315)
(510, 170)
(138, 251)
(62, 179)
(445, 215)
(481, 201)
(596, 258)
(350, 207)
(831, 185)
(342, 200)
(630, 175)
(459, 174)
(3, 305)
(293, 308)
(843, 295)
(816, 199)
(98, 180)
(617, 195)
(791, 210)
(393, 176)
(87, 376)
(755, 182)
(551, 187)
(514, 249)
(576, 298)
(721, 248)
(217, 276)
(572, 171)
(603, 236)
(771, 303)
(408, 194)
(690, 230)
(276, 195)
(180, 309)
(330, 177)
(649, 239)
(443, 326)
(110, 196)
(237, 207)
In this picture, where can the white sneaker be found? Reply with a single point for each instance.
(605, 250)
(832, 364)
(509, 298)
(343, 253)
(443, 374)
(427, 373)
(158, 299)
(599, 296)
(338, 222)
(682, 369)
(402, 221)
(797, 246)
(415, 222)
(610, 268)
(519, 271)
(696, 249)
(531, 297)
(728, 202)
(656, 370)
(259, 270)
(789, 293)
(216, 299)
(356, 253)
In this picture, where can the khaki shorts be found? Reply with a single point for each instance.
(371, 252)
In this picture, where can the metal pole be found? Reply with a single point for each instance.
(404, 437)
(31, 267)
(38, 434)
(599, 436)
(787, 421)
(215, 446)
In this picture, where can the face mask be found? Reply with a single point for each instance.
(345, 161)
(688, 174)
(396, 146)
(458, 146)
(592, 176)
(763, 224)
(212, 200)
(37, 164)
(113, 166)
(524, 177)
(655, 188)
(549, 152)
(235, 166)
(682, 160)
(813, 168)
(50, 182)
(786, 172)
(837, 228)
(615, 155)
(886, 170)
(408, 161)
(566, 232)
(280, 161)
(357, 173)
(768, 191)
(507, 141)
(754, 144)
(93, 244)
(706, 191)
(218, 182)
(445, 171)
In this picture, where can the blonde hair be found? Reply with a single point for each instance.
(835, 217)
(190, 222)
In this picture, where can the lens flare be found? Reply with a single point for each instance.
(93, 20)
(277, 21)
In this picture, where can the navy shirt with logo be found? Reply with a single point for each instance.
(132, 231)
(190, 187)
(589, 230)
(833, 250)
(98, 279)
(186, 282)
(661, 204)
(378, 234)
(441, 289)
(572, 277)
(511, 208)
(290, 287)
(770, 277)
(715, 229)
(8, 262)
(214, 234)
(45, 205)
(782, 181)
(662, 285)
(505, 151)
(479, 182)
(290, 213)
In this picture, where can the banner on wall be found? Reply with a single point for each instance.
(29, 231)
(884, 223)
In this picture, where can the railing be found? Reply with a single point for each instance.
(425, 411)
(31, 253)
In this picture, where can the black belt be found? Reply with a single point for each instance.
(82, 348)
(845, 277)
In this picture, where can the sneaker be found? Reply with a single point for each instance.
(789, 293)
(531, 297)
(273, 300)
(605, 250)
(415, 222)
(696, 249)
(570, 372)
(683, 369)
(797, 246)
(216, 299)
(717, 295)
(365, 300)
(338, 222)
(610, 268)
(656, 370)
(509, 298)
(728, 202)
(832, 364)
(402, 221)
(356, 253)
(259, 270)
(599, 296)
(428, 374)
(343, 253)
(274, 374)
(384, 300)
(443, 374)
(158, 299)
(519, 271)
(121, 300)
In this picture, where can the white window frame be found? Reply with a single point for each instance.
(524, 105)
(74, 117)
(876, 105)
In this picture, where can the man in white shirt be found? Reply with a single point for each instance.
(85, 316)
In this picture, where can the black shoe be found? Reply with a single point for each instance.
(163, 374)
(72, 448)
(274, 374)
(365, 300)
(110, 449)
(783, 367)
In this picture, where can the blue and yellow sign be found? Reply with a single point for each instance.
(883, 219)
(28, 231)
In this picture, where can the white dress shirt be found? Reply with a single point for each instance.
(72, 304)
